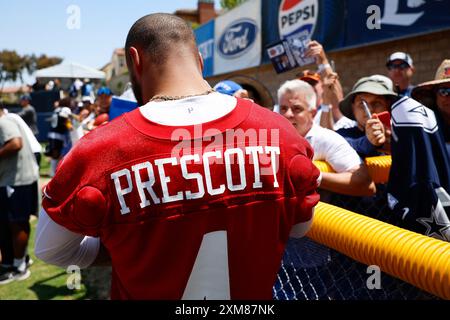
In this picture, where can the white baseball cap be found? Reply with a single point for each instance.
(400, 56)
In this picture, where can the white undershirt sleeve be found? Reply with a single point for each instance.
(338, 152)
(58, 246)
(299, 230)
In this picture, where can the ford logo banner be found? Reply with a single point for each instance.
(237, 38)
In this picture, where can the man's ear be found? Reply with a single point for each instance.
(201, 62)
(136, 61)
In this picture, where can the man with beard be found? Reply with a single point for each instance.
(176, 216)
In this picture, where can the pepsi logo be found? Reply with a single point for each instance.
(237, 38)
(289, 4)
(298, 16)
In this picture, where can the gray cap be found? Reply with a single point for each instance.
(375, 84)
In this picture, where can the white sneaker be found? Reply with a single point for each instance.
(28, 260)
(12, 274)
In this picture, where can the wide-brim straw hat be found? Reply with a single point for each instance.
(425, 92)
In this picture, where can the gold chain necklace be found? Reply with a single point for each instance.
(171, 98)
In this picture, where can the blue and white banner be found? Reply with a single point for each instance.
(297, 17)
(291, 20)
(376, 20)
(204, 36)
(238, 38)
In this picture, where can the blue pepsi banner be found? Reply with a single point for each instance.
(241, 38)
(376, 20)
(204, 35)
(321, 20)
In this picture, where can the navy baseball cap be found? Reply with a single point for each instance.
(227, 87)
(104, 90)
(25, 97)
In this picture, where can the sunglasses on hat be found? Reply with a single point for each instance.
(401, 66)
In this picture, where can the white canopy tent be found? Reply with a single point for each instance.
(70, 70)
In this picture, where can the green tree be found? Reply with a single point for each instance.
(11, 66)
(195, 25)
(230, 4)
(44, 62)
(33, 62)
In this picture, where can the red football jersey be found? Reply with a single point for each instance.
(189, 212)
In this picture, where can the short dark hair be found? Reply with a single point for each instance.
(158, 35)
(65, 102)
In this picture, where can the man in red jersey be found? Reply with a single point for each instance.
(191, 196)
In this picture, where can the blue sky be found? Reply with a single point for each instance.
(30, 26)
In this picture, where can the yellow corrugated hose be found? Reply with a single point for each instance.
(419, 260)
(323, 166)
(378, 167)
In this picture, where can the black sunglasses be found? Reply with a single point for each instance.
(443, 92)
(401, 66)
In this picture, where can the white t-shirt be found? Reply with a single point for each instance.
(333, 148)
(189, 111)
(34, 143)
(343, 122)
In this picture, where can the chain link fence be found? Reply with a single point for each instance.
(311, 271)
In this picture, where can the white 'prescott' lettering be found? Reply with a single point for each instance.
(211, 188)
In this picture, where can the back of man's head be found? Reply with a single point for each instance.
(158, 35)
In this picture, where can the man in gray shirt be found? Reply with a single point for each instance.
(28, 113)
(18, 198)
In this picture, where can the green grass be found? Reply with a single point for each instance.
(45, 283)
(44, 169)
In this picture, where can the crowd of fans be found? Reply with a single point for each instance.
(345, 130)
(73, 117)
(357, 117)
(79, 112)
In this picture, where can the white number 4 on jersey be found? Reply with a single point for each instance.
(209, 278)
